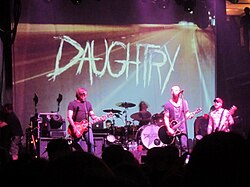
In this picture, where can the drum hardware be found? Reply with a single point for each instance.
(158, 119)
(132, 145)
(141, 116)
(121, 134)
(112, 111)
(125, 105)
(111, 137)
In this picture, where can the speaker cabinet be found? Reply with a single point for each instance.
(43, 146)
(43, 142)
(99, 143)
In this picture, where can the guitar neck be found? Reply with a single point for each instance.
(98, 120)
(95, 121)
(177, 125)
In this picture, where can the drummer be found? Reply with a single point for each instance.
(143, 116)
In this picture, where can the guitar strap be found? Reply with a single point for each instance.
(220, 119)
(77, 109)
(86, 111)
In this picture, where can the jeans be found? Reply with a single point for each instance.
(16, 142)
(89, 138)
(78, 144)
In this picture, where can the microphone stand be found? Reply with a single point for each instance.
(88, 131)
(126, 127)
(59, 99)
(185, 121)
(35, 99)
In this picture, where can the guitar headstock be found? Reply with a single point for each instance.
(233, 109)
(198, 110)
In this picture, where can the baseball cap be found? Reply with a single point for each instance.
(218, 100)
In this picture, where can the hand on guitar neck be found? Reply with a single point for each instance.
(176, 124)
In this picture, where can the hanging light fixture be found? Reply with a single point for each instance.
(76, 2)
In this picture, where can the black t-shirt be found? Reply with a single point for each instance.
(14, 123)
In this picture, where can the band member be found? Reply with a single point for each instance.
(144, 114)
(220, 119)
(80, 110)
(176, 110)
(11, 133)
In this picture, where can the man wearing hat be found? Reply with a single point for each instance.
(220, 119)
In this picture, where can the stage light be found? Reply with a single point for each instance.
(189, 5)
(76, 2)
(162, 4)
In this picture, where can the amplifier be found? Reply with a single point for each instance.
(99, 144)
(51, 125)
(100, 132)
(57, 134)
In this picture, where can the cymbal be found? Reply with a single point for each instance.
(112, 110)
(125, 104)
(141, 116)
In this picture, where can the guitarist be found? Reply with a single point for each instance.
(78, 110)
(220, 119)
(176, 109)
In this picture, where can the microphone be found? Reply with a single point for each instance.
(181, 92)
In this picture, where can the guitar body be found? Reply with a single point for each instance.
(164, 136)
(81, 127)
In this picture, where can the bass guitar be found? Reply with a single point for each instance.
(82, 126)
(168, 139)
(225, 127)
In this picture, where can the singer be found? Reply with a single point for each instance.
(81, 110)
(176, 111)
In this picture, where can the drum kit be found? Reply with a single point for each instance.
(130, 135)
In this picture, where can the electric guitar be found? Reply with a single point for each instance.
(167, 138)
(225, 127)
(82, 126)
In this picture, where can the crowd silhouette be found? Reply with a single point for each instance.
(218, 159)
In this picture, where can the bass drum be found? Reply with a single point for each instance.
(147, 136)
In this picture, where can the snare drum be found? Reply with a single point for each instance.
(147, 135)
(111, 138)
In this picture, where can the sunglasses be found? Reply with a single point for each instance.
(216, 101)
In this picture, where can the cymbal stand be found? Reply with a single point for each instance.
(113, 126)
(126, 128)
